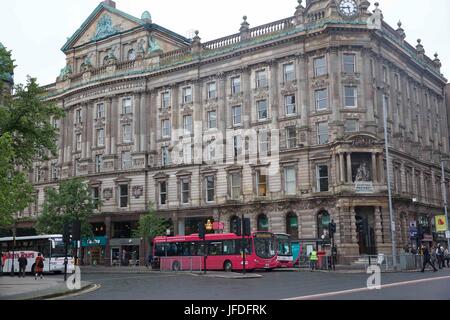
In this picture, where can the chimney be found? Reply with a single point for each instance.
(110, 3)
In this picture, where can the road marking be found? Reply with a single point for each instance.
(93, 288)
(337, 293)
(130, 278)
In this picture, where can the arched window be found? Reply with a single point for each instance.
(233, 222)
(323, 220)
(263, 223)
(292, 225)
(131, 55)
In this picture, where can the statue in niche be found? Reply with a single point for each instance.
(363, 174)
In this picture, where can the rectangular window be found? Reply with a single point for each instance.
(210, 192)
(54, 172)
(163, 193)
(212, 90)
(100, 111)
(261, 107)
(290, 181)
(78, 141)
(165, 100)
(236, 186)
(165, 156)
(123, 192)
(350, 97)
(321, 98)
(187, 95)
(96, 195)
(351, 126)
(291, 137)
(261, 79)
(126, 133)
(289, 72)
(349, 63)
(322, 178)
(187, 124)
(100, 137)
(235, 85)
(165, 125)
(261, 183)
(237, 111)
(55, 123)
(237, 146)
(98, 163)
(320, 67)
(263, 143)
(126, 106)
(126, 160)
(77, 167)
(78, 116)
(185, 189)
(322, 132)
(289, 105)
(212, 119)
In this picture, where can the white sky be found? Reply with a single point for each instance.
(35, 30)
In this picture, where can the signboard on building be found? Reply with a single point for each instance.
(428, 238)
(441, 224)
(94, 242)
(364, 187)
(413, 231)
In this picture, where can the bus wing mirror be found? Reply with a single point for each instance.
(53, 244)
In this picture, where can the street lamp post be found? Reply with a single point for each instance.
(388, 165)
(444, 192)
(14, 249)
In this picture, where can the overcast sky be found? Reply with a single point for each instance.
(35, 30)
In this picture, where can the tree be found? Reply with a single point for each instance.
(26, 133)
(71, 202)
(151, 226)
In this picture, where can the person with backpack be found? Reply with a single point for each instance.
(440, 256)
(39, 266)
(23, 262)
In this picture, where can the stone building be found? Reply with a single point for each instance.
(282, 123)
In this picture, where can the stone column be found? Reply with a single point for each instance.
(108, 229)
(378, 227)
(137, 122)
(381, 172)
(374, 168)
(342, 168)
(274, 104)
(108, 126)
(349, 168)
(115, 125)
(144, 131)
(354, 236)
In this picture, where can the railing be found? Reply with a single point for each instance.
(222, 42)
(173, 56)
(272, 27)
(98, 71)
(191, 264)
(126, 65)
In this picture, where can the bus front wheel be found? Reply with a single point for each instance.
(228, 266)
(176, 266)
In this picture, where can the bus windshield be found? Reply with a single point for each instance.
(265, 245)
(59, 251)
(284, 245)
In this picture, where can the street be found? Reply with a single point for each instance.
(272, 286)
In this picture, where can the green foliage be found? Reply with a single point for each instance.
(6, 64)
(72, 201)
(15, 190)
(150, 225)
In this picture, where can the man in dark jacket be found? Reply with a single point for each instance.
(427, 259)
(22, 265)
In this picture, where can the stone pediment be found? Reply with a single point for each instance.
(105, 21)
(364, 140)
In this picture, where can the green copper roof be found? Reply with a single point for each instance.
(112, 30)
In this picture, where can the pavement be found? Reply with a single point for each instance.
(15, 288)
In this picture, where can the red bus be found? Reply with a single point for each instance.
(224, 251)
(284, 250)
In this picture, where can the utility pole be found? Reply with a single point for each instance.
(388, 165)
(14, 249)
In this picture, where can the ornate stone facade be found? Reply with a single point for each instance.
(173, 118)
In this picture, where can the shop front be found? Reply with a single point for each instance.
(125, 252)
(93, 250)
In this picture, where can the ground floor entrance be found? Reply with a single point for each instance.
(365, 230)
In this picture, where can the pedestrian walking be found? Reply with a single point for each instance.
(433, 256)
(23, 262)
(427, 259)
(440, 256)
(39, 266)
(447, 257)
(313, 259)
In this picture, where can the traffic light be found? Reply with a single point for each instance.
(67, 234)
(76, 231)
(236, 226)
(201, 230)
(247, 229)
(332, 228)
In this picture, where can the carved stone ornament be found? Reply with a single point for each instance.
(363, 142)
(107, 194)
(105, 28)
(138, 191)
(363, 173)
